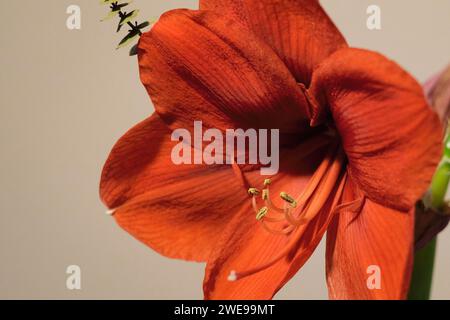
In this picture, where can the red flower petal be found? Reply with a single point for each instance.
(361, 244)
(178, 211)
(202, 66)
(300, 31)
(390, 135)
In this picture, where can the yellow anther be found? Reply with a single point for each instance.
(265, 194)
(262, 213)
(288, 199)
(253, 191)
(267, 182)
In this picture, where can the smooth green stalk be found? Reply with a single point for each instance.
(422, 276)
(439, 186)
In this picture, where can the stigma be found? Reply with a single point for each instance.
(111, 212)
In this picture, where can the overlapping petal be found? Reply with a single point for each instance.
(299, 31)
(201, 65)
(389, 133)
(369, 252)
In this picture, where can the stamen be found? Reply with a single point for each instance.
(352, 206)
(296, 236)
(318, 175)
(268, 202)
(270, 219)
(288, 199)
(266, 197)
(284, 231)
(253, 191)
(290, 218)
(255, 207)
(324, 188)
(327, 186)
(327, 180)
(262, 213)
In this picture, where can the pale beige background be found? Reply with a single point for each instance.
(61, 111)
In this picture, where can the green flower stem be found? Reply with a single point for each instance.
(439, 186)
(422, 276)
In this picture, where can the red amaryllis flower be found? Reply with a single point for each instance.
(358, 148)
